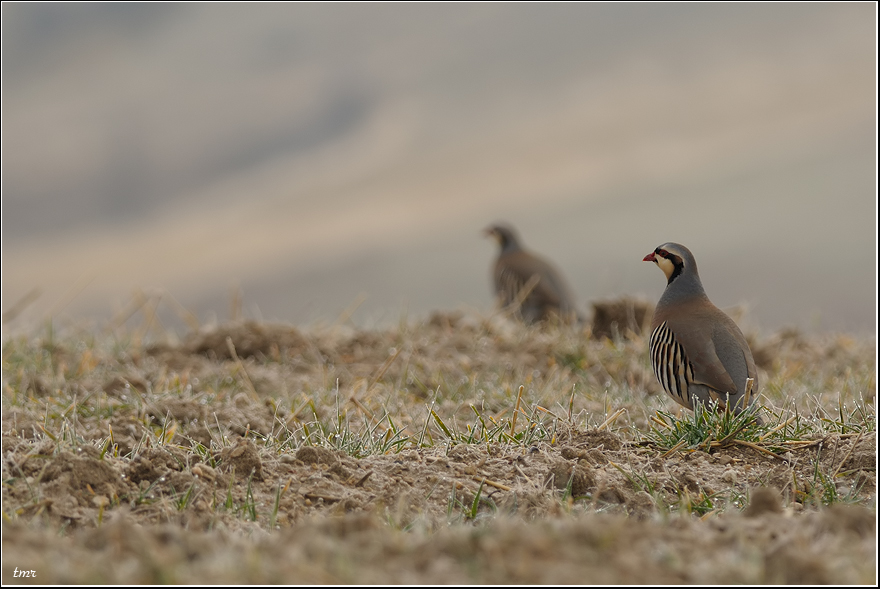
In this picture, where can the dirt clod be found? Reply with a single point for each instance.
(763, 500)
(243, 459)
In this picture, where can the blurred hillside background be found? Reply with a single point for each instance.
(311, 155)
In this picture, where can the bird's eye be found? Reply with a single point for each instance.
(661, 253)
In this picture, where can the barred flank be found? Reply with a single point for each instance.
(670, 364)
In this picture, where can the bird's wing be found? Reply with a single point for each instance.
(696, 338)
(521, 267)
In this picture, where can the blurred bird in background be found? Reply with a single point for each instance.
(526, 285)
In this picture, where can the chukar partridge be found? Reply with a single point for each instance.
(528, 285)
(697, 352)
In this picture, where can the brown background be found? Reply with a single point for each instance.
(310, 153)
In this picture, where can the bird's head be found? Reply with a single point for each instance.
(673, 259)
(504, 235)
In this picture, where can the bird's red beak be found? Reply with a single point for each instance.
(649, 258)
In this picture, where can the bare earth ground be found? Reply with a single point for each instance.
(457, 450)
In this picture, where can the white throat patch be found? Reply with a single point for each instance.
(667, 266)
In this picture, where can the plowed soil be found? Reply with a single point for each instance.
(255, 453)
